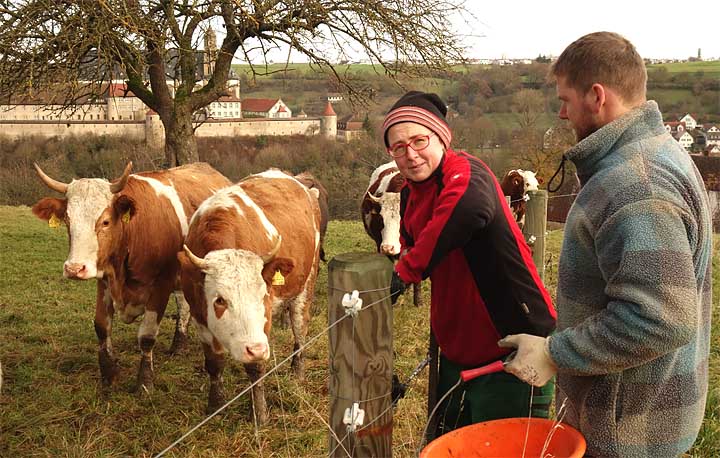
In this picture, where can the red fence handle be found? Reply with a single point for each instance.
(470, 374)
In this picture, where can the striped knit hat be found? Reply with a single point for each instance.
(421, 108)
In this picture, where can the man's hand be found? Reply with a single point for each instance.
(397, 287)
(532, 363)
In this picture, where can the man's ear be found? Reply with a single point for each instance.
(47, 207)
(123, 208)
(597, 97)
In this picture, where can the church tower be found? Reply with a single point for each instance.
(210, 53)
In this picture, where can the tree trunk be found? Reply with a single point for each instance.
(180, 144)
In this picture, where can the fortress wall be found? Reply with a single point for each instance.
(16, 129)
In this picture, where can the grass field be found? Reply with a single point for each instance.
(709, 67)
(52, 405)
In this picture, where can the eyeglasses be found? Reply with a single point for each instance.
(417, 143)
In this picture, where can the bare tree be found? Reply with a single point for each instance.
(529, 105)
(73, 47)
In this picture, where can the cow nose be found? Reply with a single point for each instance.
(75, 270)
(388, 249)
(256, 351)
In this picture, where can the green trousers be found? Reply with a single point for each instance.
(489, 397)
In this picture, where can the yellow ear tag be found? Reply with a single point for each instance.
(126, 217)
(278, 279)
(54, 222)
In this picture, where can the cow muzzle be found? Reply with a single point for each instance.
(254, 352)
(78, 271)
(389, 250)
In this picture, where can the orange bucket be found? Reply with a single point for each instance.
(505, 438)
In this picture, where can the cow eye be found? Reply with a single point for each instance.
(220, 302)
(106, 222)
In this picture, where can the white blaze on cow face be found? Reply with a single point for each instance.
(235, 297)
(86, 200)
(530, 180)
(390, 213)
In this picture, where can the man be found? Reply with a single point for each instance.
(457, 229)
(634, 276)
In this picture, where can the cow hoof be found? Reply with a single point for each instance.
(179, 343)
(145, 377)
(109, 369)
(259, 415)
(144, 389)
(216, 399)
(298, 367)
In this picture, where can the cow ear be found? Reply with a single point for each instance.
(540, 180)
(123, 208)
(517, 181)
(282, 265)
(48, 207)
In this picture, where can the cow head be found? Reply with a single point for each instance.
(387, 208)
(86, 213)
(531, 182)
(237, 290)
(518, 182)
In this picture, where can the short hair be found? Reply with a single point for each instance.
(606, 58)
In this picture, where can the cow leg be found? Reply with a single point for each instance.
(180, 339)
(147, 335)
(259, 407)
(300, 316)
(104, 312)
(214, 365)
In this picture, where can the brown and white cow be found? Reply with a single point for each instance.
(516, 184)
(252, 250)
(380, 208)
(126, 234)
(380, 213)
(310, 182)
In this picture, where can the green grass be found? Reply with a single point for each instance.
(709, 67)
(52, 405)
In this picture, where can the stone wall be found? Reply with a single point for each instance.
(136, 129)
(17, 128)
(257, 126)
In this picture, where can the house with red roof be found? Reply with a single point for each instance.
(265, 108)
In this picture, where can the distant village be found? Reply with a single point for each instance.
(695, 137)
(117, 111)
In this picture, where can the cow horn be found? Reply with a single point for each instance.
(373, 197)
(118, 185)
(271, 255)
(200, 263)
(52, 184)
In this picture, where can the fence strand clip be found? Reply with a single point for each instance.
(353, 417)
(352, 303)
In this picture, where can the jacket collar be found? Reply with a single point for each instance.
(589, 151)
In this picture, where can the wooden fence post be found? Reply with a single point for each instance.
(535, 226)
(361, 355)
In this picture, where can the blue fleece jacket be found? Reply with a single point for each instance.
(634, 292)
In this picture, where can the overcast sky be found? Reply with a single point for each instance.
(657, 28)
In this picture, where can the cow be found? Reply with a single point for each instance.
(380, 209)
(516, 184)
(126, 234)
(311, 182)
(252, 251)
(380, 213)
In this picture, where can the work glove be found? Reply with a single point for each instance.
(532, 362)
(397, 287)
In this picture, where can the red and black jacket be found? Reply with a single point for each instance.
(458, 230)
